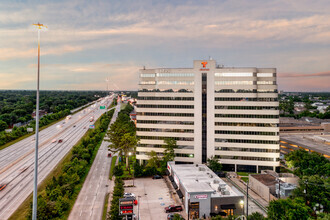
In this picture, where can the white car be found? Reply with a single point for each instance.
(129, 195)
(54, 140)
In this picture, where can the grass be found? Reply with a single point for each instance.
(285, 170)
(24, 208)
(244, 173)
(113, 164)
(123, 105)
(105, 207)
(245, 179)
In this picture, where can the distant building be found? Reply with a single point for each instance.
(202, 192)
(210, 110)
(41, 113)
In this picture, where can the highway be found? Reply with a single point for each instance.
(17, 161)
(90, 201)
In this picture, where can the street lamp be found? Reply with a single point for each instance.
(242, 205)
(34, 208)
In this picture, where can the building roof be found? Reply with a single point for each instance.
(198, 178)
(318, 143)
(266, 179)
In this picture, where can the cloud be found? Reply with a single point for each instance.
(288, 75)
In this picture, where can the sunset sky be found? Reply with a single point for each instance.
(87, 41)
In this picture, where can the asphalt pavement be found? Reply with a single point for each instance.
(17, 160)
(90, 201)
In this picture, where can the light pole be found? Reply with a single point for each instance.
(139, 199)
(35, 193)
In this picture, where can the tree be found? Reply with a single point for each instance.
(256, 216)
(213, 164)
(153, 160)
(3, 125)
(127, 144)
(169, 154)
(288, 209)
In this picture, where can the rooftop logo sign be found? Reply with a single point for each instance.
(204, 66)
(203, 196)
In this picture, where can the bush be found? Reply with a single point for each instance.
(118, 171)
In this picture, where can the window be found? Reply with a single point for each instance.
(147, 75)
(147, 83)
(246, 141)
(244, 116)
(233, 82)
(167, 90)
(265, 74)
(234, 74)
(165, 122)
(175, 82)
(166, 130)
(247, 132)
(266, 83)
(165, 106)
(165, 114)
(247, 107)
(246, 124)
(166, 98)
(175, 74)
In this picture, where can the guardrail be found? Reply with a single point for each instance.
(244, 192)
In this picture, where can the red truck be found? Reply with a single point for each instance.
(173, 208)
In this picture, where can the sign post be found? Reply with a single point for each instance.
(126, 207)
(102, 107)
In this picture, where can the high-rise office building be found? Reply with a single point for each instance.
(210, 110)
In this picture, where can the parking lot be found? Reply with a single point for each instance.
(153, 196)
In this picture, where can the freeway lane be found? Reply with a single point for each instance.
(90, 201)
(17, 171)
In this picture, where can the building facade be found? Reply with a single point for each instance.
(203, 193)
(210, 110)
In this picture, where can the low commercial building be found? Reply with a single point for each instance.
(202, 192)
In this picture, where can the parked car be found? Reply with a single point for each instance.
(173, 208)
(109, 154)
(129, 195)
(157, 177)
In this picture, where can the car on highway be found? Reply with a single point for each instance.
(74, 126)
(60, 141)
(173, 208)
(2, 186)
(155, 177)
(54, 140)
(84, 127)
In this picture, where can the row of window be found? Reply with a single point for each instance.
(246, 99)
(175, 74)
(167, 90)
(175, 82)
(244, 74)
(167, 98)
(246, 158)
(233, 82)
(165, 106)
(245, 124)
(244, 116)
(246, 132)
(261, 150)
(166, 130)
(165, 122)
(221, 140)
(163, 146)
(164, 138)
(166, 114)
(147, 82)
(245, 82)
(246, 91)
(161, 154)
(247, 107)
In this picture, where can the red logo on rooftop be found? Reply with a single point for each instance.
(204, 64)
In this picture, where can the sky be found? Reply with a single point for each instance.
(89, 41)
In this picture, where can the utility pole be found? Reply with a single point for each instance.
(35, 179)
(247, 198)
